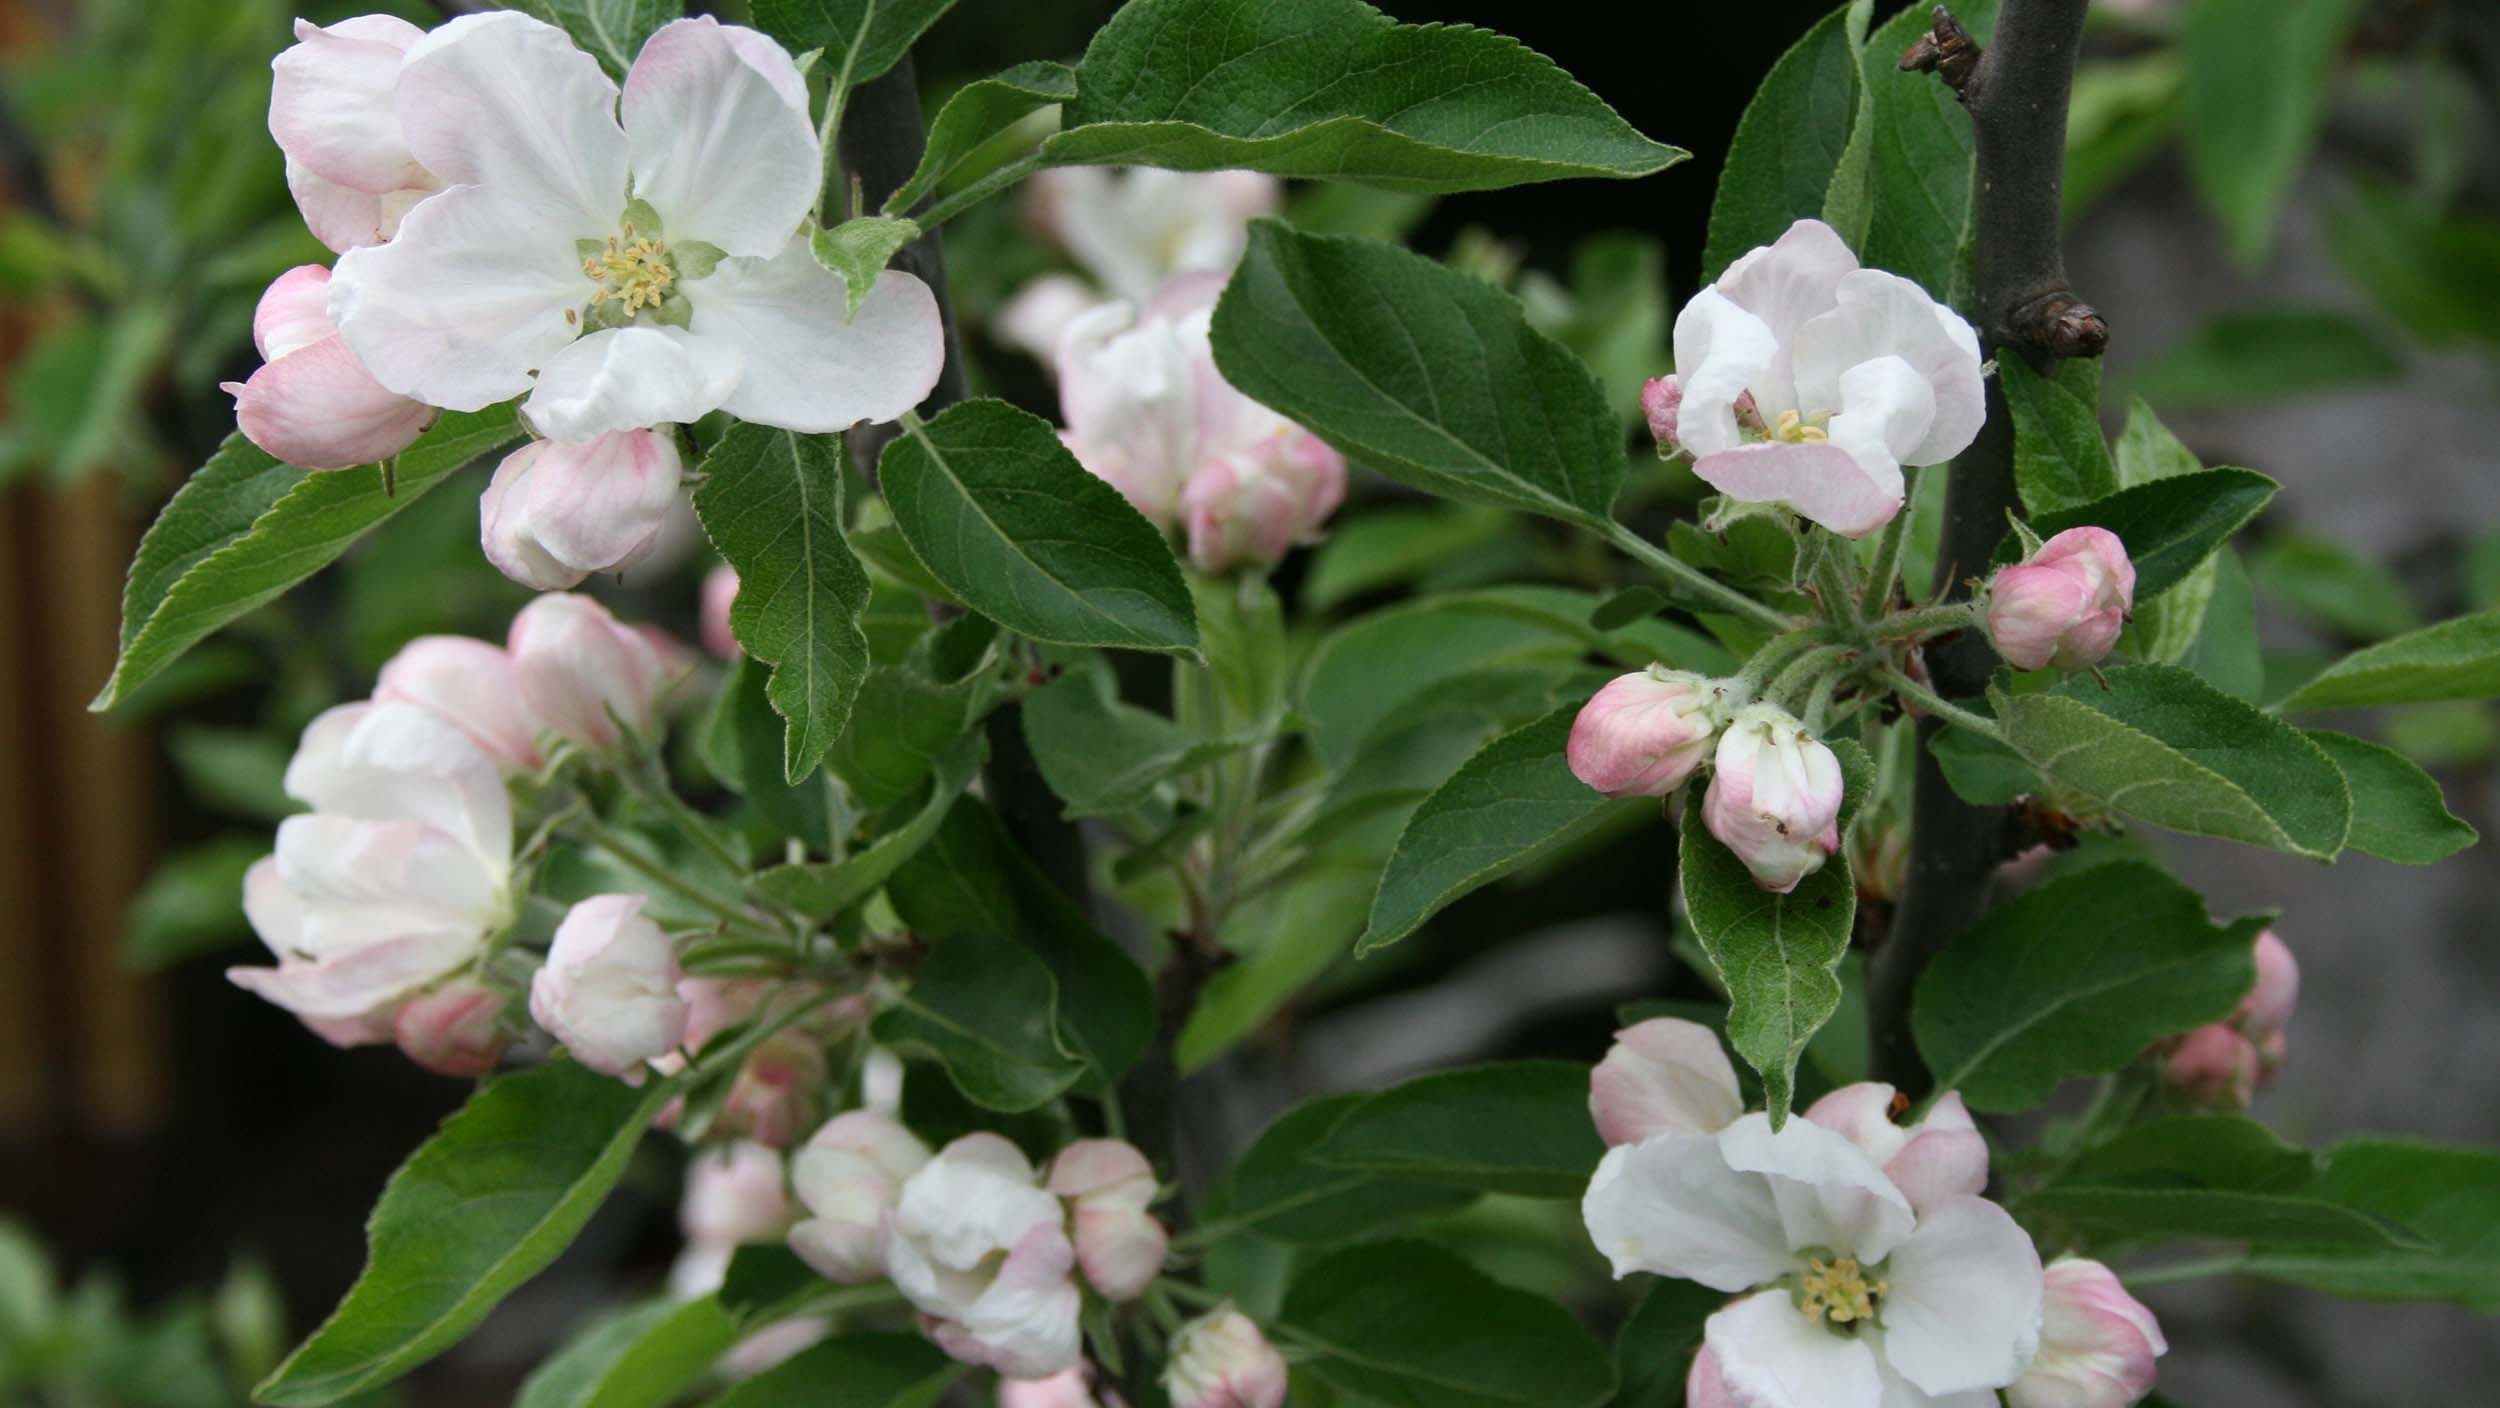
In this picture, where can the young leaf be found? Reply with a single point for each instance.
(985, 1009)
(1511, 803)
(2170, 526)
(2208, 1178)
(858, 249)
(998, 510)
(1918, 159)
(979, 111)
(2397, 812)
(1101, 755)
(1426, 374)
(2257, 88)
(2456, 659)
(610, 31)
(1336, 89)
(2060, 460)
(860, 38)
(1778, 955)
(857, 1370)
(1518, 1127)
(2163, 746)
(479, 1208)
(742, 744)
(643, 1357)
(1278, 1191)
(2076, 978)
(2334, 584)
(2147, 451)
(1410, 1323)
(1789, 143)
(824, 889)
(247, 527)
(771, 500)
(2446, 1196)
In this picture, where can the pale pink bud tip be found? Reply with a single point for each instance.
(470, 685)
(720, 592)
(1662, 1076)
(313, 403)
(581, 672)
(2267, 1009)
(1221, 1360)
(1705, 1386)
(1064, 1390)
(555, 514)
(1941, 1157)
(454, 1030)
(609, 990)
(1643, 733)
(1774, 797)
(2097, 1343)
(2215, 1066)
(1109, 1185)
(2065, 605)
(1662, 398)
(848, 1175)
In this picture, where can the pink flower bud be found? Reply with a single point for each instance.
(1662, 1076)
(312, 403)
(582, 673)
(1942, 1156)
(2066, 604)
(1109, 1185)
(775, 1092)
(1704, 1386)
(848, 1176)
(2216, 1067)
(1220, 1360)
(2097, 1343)
(720, 592)
(333, 111)
(1774, 797)
(454, 1030)
(1065, 1390)
(734, 1196)
(2267, 1010)
(556, 513)
(609, 990)
(1644, 733)
(1661, 399)
(470, 685)
(1247, 507)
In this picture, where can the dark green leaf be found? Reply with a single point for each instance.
(1101, 755)
(1407, 1325)
(857, 1370)
(1283, 938)
(860, 38)
(639, 1358)
(2224, 651)
(2397, 812)
(824, 889)
(1788, 144)
(2255, 355)
(2209, 1178)
(1918, 157)
(2170, 526)
(610, 31)
(979, 111)
(1519, 1127)
(2060, 460)
(1392, 546)
(2456, 659)
(2447, 1196)
(986, 1010)
(1654, 1349)
(857, 251)
(1379, 670)
(2257, 88)
(192, 903)
(1277, 1190)
(2147, 450)
(742, 743)
(900, 727)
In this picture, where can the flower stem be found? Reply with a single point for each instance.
(1692, 578)
(1888, 550)
(1926, 621)
(611, 842)
(964, 197)
(1834, 589)
(1939, 706)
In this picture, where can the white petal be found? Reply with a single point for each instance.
(362, 881)
(1671, 1205)
(1791, 280)
(343, 217)
(1886, 408)
(357, 983)
(272, 909)
(1771, 1356)
(1823, 482)
(1042, 311)
(718, 149)
(1963, 1310)
(1828, 1192)
(499, 99)
(1721, 352)
(398, 762)
(330, 103)
(1885, 315)
(630, 378)
(504, 531)
(1901, 1393)
(593, 506)
(807, 369)
(294, 312)
(465, 302)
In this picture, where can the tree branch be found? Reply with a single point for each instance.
(880, 146)
(2017, 91)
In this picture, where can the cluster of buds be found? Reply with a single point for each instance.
(2221, 1064)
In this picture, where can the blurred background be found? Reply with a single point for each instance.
(184, 1172)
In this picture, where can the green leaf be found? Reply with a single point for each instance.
(2170, 526)
(1336, 89)
(860, 38)
(1426, 374)
(1278, 1191)
(2397, 812)
(477, 1210)
(1918, 157)
(901, 726)
(2208, 1178)
(2148, 451)
(2076, 978)
(2434, 271)
(2456, 659)
(1103, 756)
(2447, 1196)
(986, 1010)
(2344, 590)
(191, 904)
(857, 1370)
(2224, 652)
(998, 510)
(2251, 356)
(1777, 955)
(1284, 938)
(824, 889)
(742, 744)
(1654, 1349)
(1518, 1127)
(2257, 89)
(248, 527)
(610, 31)
(2060, 460)
(979, 111)
(1409, 1325)
(858, 249)
(643, 1357)
(771, 501)
(2165, 747)
(1514, 801)
(1389, 547)
(971, 878)
(1788, 145)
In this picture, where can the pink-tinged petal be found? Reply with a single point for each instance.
(1042, 311)
(1643, 733)
(1671, 1205)
(466, 301)
(1942, 1156)
(2097, 1343)
(397, 762)
(1662, 1076)
(1705, 1386)
(1027, 1320)
(354, 984)
(609, 987)
(1065, 1390)
(294, 312)
(2030, 609)
(272, 909)
(595, 506)
(1828, 1193)
(1787, 284)
(455, 1030)
(1963, 1309)
(809, 367)
(1098, 1167)
(468, 683)
(719, 149)
(318, 407)
(1662, 404)
(504, 527)
(1774, 797)
(631, 378)
(581, 671)
(1770, 1355)
(331, 103)
(359, 881)
(1237, 515)
(2215, 1066)
(498, 99)
(1722, 353)
(1121, 1249)
(1882, 315)
(1128, 392)
(719, 594)
(1822, 482)
(343, 217)
(2267, 1009)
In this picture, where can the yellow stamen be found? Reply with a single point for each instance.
(1839, 1291)
(1792, 428)
(634, 270)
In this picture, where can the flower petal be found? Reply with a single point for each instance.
(363, 881)
(330, 102)
(1721, 352)
(343, 217)
(504, 527)
(294, 312)
(630, 378)
(1884, 315)
(1787, 284)
(318, 407)
(1963, 1311)
(1660, 1076)
(1827, 1191)
(719, 149)
(1671, 1205)
(354, 984)
(1822, 482)
(1771, 1356)
(273, 911)
(397, 762)
(501, 100)
(594, 506)
(807, 367)
(1885, 410)
(465, 302)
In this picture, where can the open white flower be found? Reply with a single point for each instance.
(1808, 381)
(626, 264)
(981, 1248)
(1857, 1302)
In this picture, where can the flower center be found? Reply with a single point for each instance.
(1793, 429)
(633, 271)
(1838, 1291)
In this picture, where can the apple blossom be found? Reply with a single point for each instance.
(1849, 1297)
(1662, 400)
(775, 1091)
(312, 403)
(1072, 1389)
(1851, 374)
(609, 990)
(1247, 507)
(1109, 1185)
(605, 258)
(2097, 1343)
(1644, 733)
(333, 111)
(734, 1196)
(555, 513)
(1774, 797)
(2064, 605)
(2221, 1064)
(1037, 315)
(1942, 1156)
(720, 592)
(584, 674)
(397, 877)
(1662, 1075)
(469, 684)
(982, 1249)
(1221, 1360)
(2267, 1009)
(848, 1175)
(454, 1030)
(1131, 229)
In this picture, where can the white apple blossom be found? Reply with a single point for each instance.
(333, 111)
(626, 263)
(1662, 1075)
(556, 513)
(982, 1249)
(1774, 797)
(609, 988)
(1130, 229)
(848, 1174)
(471, 684)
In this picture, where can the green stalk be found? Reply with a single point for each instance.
(1692, 578)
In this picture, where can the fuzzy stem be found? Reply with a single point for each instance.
(1691, 578)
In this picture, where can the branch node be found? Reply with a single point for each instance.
(2061, 325)
(1947, 51)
